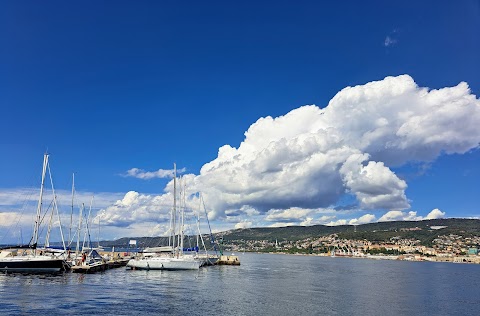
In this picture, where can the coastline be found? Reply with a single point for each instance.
(411, 258)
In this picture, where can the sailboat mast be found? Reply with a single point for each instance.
(79, 228)
(212, 239)
(179, 216)
(55, 205)
(174, 227)
(183, 216)
(98, 236)
(198, 221)
(71, 212)
(39, 206)
(170, 231)
(87, 227)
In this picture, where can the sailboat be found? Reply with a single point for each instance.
(27, 258)
(171, 257)
(207, 259)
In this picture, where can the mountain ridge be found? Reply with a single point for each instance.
(424, 230)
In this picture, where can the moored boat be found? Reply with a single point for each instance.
(165, 263)
(27, 258)
(12, 262)
(171, 257)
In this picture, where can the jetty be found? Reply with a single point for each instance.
(228, 260)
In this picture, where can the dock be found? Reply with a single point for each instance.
(228, 260)
(116, 261)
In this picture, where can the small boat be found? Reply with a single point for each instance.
(90, 262)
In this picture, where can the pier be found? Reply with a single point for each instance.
(228, 260)
(118, 260)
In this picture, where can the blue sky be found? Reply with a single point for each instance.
(107, 87)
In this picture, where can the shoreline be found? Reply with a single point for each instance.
(409, 258)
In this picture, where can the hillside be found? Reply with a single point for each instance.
(421, 230)
(375, 232)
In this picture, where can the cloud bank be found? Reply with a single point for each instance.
(290, 168)
(311, 157)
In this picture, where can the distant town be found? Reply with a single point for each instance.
(419, 241)
(445, 240)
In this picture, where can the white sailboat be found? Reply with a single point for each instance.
(206, 258)
(171, 257)
(27, 258)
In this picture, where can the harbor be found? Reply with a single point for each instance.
(33, 258)
(101, 261)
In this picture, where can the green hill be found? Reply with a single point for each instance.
(425, 231)
(383, 231)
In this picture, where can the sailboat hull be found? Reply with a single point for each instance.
(164, 263)
(30, 264)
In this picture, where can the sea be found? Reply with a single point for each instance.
(264, 284)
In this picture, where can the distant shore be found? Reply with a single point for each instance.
(416, 258)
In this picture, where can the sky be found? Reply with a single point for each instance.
(279, 113)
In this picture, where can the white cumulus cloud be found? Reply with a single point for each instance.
(243, 224)
(410, 216)
(338, 222)
(135, 207)
(435, 214)
(374, 185)
(309, 158)
(322, 220)
(365, 219)
(291, 214)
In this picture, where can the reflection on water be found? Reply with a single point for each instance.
(262, 285)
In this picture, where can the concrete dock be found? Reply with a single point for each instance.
(228, 260)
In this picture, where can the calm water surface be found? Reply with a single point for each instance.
(262, 285)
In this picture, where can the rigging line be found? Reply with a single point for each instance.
(80, 217)
(212, 239)
(25, 196)
(87, 226)
(192, 218)
(71, 213)
(50, 223)
(198, 224)
(43, 217)
(89, 239)
(55, 205)
(40, 200)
